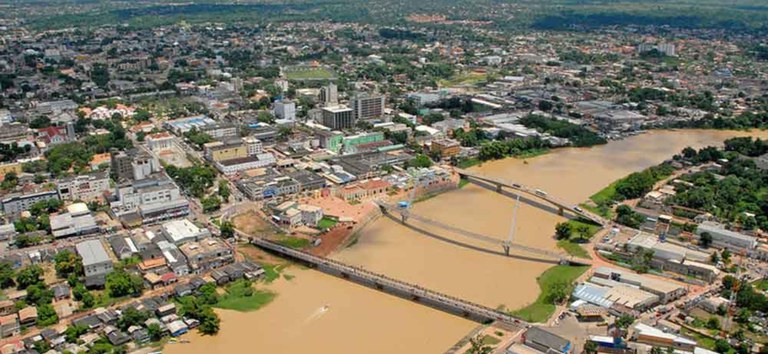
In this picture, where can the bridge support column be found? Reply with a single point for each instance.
(498, 188)
(403, 218)
(506, 249)
(560, 211)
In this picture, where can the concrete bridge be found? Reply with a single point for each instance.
(562, 206)
(389, 285)
(506, 245)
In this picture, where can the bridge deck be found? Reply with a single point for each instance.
(487, 239)
(533, 192)
(385, 281)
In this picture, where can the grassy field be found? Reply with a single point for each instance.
(327, 223)
(463, 182)
(541, 310)
(293, 242)
(469, 163)
(309, 74)
(241, 296)
(272, 272)
(605, 195)
(464, 78)
(573, 248)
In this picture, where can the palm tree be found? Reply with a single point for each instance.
(478, 347)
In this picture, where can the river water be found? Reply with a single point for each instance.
(361, 320)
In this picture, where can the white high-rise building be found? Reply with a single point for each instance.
(329, 95)
(285, 110)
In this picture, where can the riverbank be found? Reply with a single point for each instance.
(556, 285)
(440, 260)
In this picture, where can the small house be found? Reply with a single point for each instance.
(28, 316)
(219, 277)
(177, 328)
(165, 310)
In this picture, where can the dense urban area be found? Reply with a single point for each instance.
(166, 167)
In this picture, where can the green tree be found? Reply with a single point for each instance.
(131, 317)
(66, 263)
(625, 321)
(420, 161)
(38, 294)
(6, 275)
(73, 332)
(224, 191)
(726, 256)
(590, 347)
(46, 315)
(713, 323)
(28, 276)
(227, 229)
(722, 346)
(154, 332)
(558, 291)
(478, 347)
(121, 283)
(705, 239)
(563, 231)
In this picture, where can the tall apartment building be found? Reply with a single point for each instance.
(339, 117)
(285, 110)
(329, 95)
(367, 107)
(87, 187)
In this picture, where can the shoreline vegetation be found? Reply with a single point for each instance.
(556, 284)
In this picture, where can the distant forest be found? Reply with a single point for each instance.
(736, 15)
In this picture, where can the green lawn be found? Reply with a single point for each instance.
(327, 223)
(293, 242)
(272, 272)
(576, 224)
(704, 342)
(490, 340)
(463, 182)
(574, 249)
(467, 163)
(603, 211)
(241, 296)
(309, 74)
(541, 310)
(606, 195)
(464, 78)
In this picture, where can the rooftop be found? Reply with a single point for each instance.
(92, 252)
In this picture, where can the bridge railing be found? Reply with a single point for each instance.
(385, 280)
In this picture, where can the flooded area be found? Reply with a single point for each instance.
(359, 319)
(318, 313)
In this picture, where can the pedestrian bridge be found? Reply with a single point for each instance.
(562, 206)
(506, 245)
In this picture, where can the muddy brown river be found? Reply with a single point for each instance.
(362, 320)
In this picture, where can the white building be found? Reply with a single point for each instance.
(253, 145)
(88, 187)
(310, 214)
(75, 222)
(181, 231)
(233, 166)
(95, 259)
(159, 141)
(285, 110)
(721, 237)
